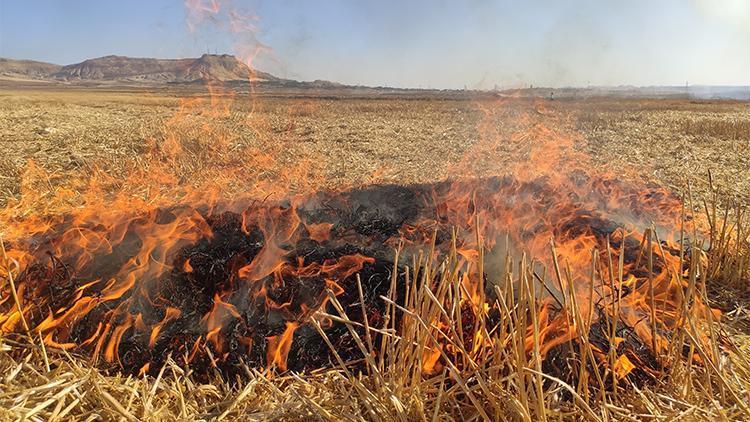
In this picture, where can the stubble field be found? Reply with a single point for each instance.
(81, 152)
(347, 140)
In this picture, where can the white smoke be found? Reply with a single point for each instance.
(733, 12)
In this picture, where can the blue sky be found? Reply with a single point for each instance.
(416, 43)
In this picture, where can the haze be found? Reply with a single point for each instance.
(419, 43)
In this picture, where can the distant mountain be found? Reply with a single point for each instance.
(208, 67)
(26, 69)
(148, 71)
(224, 68)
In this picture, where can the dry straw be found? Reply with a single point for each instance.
(494, 379)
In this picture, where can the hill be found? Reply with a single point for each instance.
(147, 71)
(223, 68)
(26, 69)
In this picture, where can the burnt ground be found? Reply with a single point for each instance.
(356, 140)
(207, 287)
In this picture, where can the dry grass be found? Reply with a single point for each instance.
(359, 140)
(500, 380)
(352, 140)
(719, 127)
(671, 142)
(417, 140)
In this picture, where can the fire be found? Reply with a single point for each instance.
(193, 279)
(279, 346)
(189, 269)
(216, 279)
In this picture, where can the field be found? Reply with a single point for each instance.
(101, 156)
(408, 139)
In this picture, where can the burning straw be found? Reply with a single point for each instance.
(532, 344)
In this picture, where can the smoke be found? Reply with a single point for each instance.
(241, 26)
(483, 44)
(732, 12)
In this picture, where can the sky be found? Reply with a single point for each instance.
(477, 44)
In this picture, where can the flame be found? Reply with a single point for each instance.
(104, 266)
(319, 232)
(279, 346)
(115, 260)
(623, 366)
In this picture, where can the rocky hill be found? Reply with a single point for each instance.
(222, 68)
(132, 71)
(26, 69)
(114, 69)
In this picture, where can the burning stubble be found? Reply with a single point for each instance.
(232, 285)
(562, 281)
